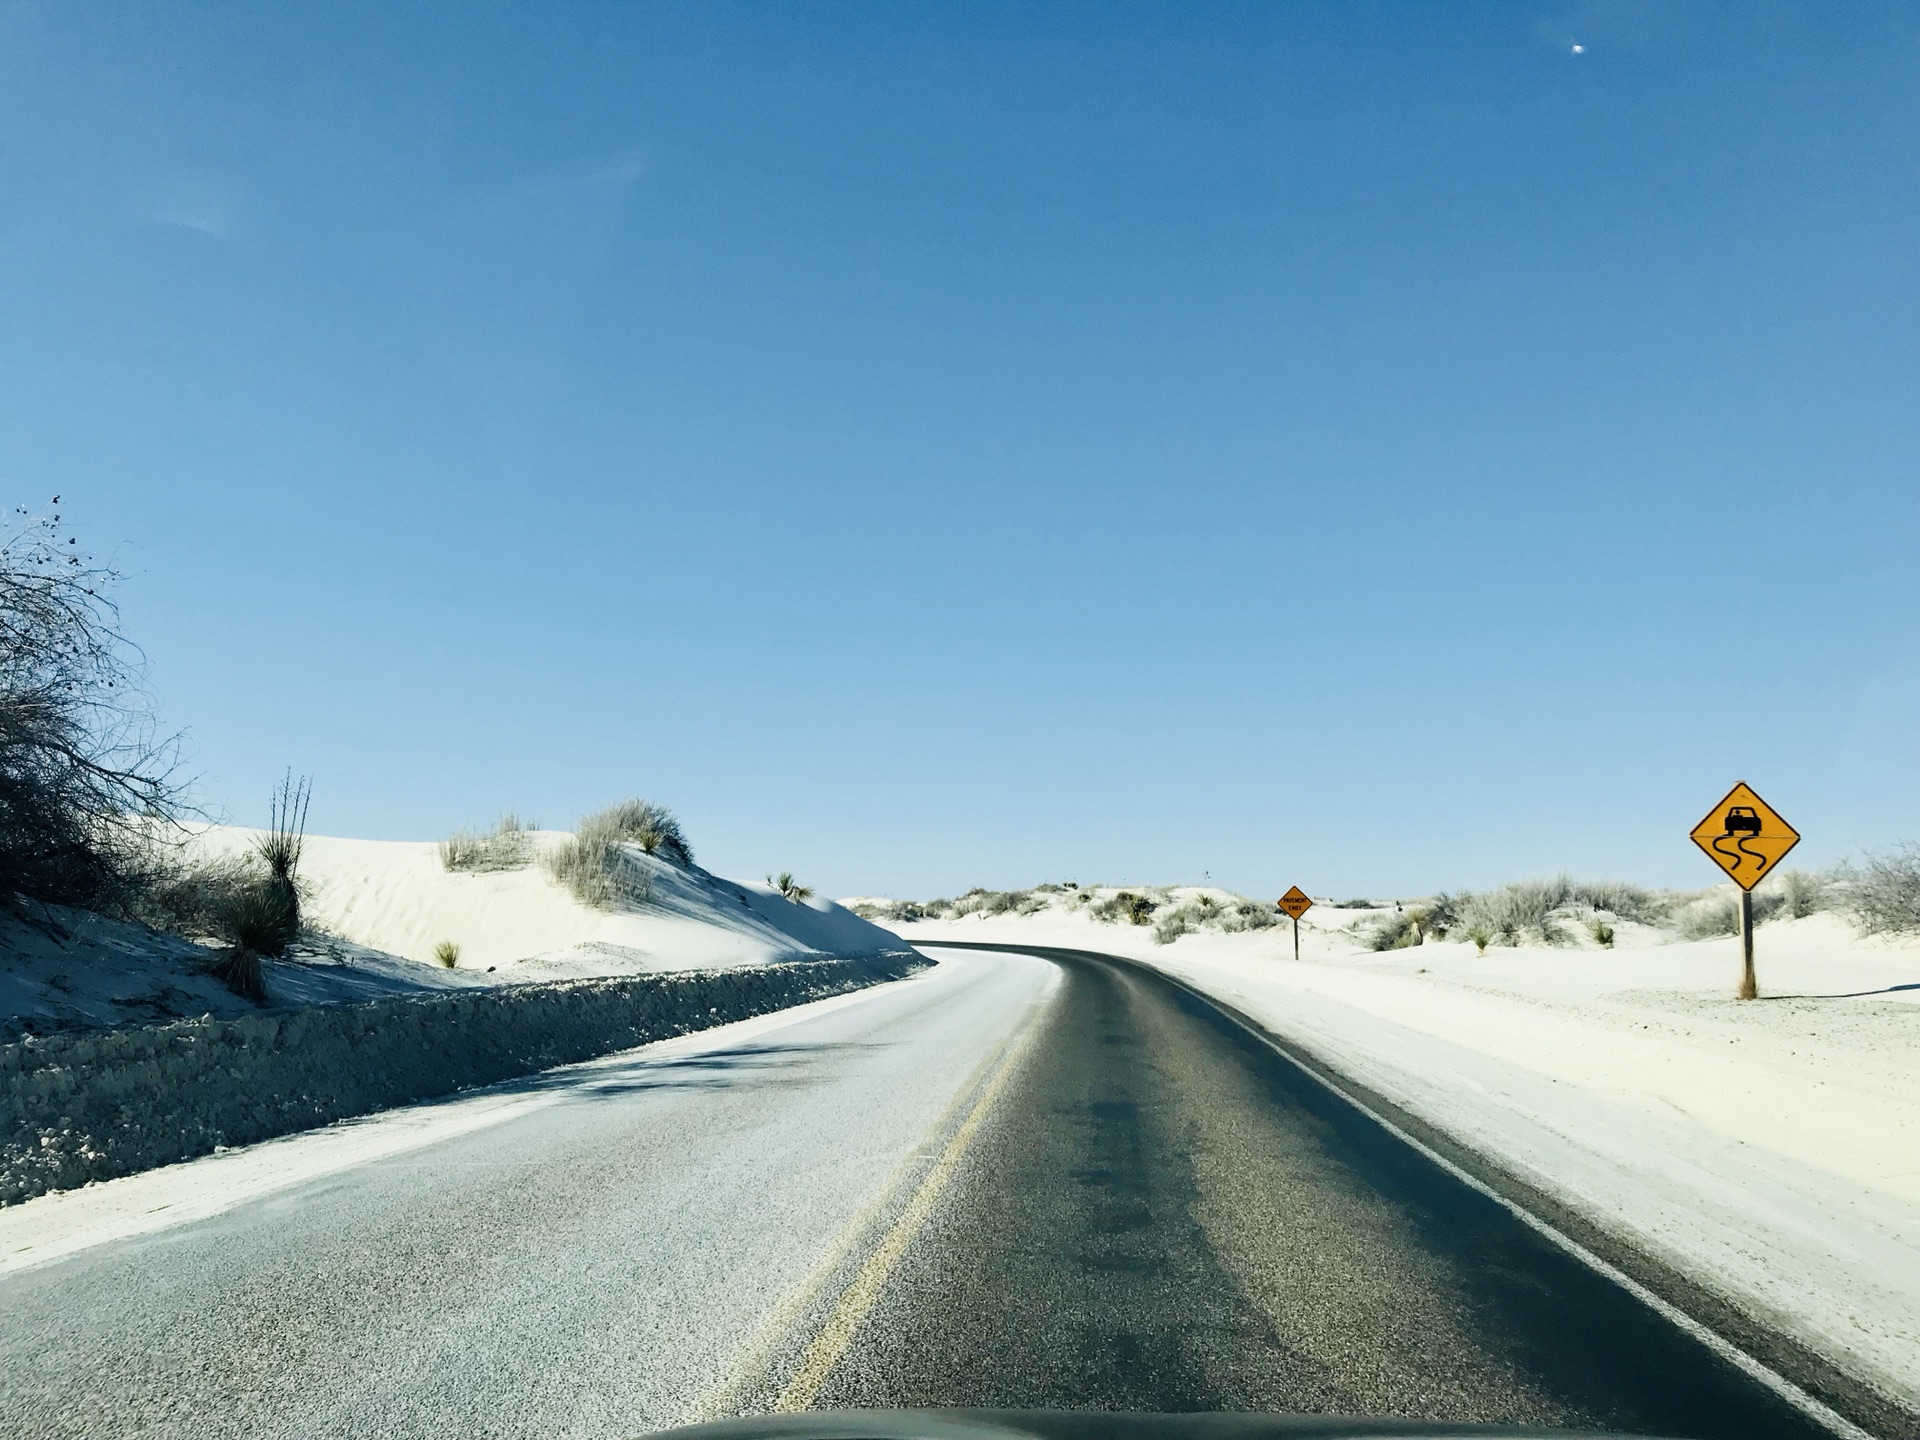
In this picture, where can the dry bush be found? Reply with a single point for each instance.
(594, 864)
(1881, 895)
(82, 773)
(509, 847)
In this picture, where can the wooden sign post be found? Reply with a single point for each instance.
(1745, 837)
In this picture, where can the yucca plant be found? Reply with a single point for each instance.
(447, 952)
(790, 887)
(280, 847)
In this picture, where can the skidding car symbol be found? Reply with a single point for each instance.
(1741, 821)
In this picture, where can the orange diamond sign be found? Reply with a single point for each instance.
(1745, 836)
(1296, 902)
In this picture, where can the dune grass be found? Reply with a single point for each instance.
(595, 865)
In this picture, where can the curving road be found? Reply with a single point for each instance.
(1009, 1182)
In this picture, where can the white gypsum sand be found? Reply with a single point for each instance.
(384, 906)
(1768, 1150)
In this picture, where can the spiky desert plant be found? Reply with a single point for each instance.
(791, 888)
(286, 833)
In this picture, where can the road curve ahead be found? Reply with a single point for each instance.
(1010, 1182)
(1164, 1214)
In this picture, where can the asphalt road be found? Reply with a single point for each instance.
(1003, 1184)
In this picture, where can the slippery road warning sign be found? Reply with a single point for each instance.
(1745, 836)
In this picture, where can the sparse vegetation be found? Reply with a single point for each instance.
(1802, 892)
(594, 865)
(789, 887)
(447, 952)
(1881, 895)
(1480, 935)
(1602, 933)
(1394, 932)
(509, 847)
(82, 772)
(260, 917)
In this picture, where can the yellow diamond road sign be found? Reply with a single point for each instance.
(1296, 902)
(1744, 836)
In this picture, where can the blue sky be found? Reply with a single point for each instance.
(1368, 446)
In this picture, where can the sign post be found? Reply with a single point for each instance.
(1296, 903)
(1745, 837)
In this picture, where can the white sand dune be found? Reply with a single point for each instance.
(383, 906)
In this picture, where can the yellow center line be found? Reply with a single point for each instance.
(860, 1297)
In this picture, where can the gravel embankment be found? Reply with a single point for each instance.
(95, 1104)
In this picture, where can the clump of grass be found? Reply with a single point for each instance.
(654, 828)
(1602, 934)
(1881, 895)
(447, 952)
(1802, 893)
(1623, 901)
(509, 847)
(594, 864)
(1175, 923)
(1128, 905)
(1394, 932)
(1713, 915)
(1480, 934)
(1250, 915)
(789, 887)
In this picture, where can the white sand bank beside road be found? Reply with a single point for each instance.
(1768, 1151)
(380, 908)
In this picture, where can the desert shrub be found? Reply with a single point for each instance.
(509, 847)
(789, 887)
(82, 774)
(1443, 913)
(1602, 934)
(1518, 911)
(1717, 913)
(1250, 915)
(1172, 925)
(286, 834)
(261, 917)
(1623, 901)
(1802, 893)
(653, 828)
(1881, 895)
(1711, 916)
(1351, 904)
(447, 952)
(1393, 932)
(1480, 934)
(186, 893)
(594, 865)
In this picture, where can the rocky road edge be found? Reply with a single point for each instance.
(97, 1104)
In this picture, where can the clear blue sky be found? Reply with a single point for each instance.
(1372, 446)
